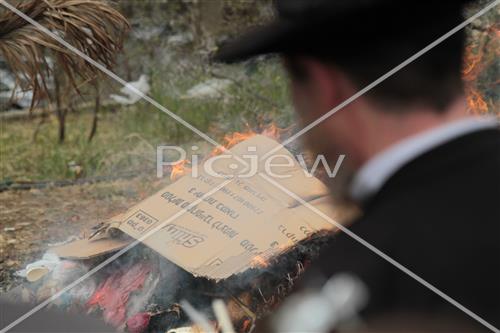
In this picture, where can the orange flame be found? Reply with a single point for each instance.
(272, 131)
(247, 324)
(259, 261)
(179, 170)
(475, 102)
(231, 140)
(480, 55)
(472, 64)
(262, 260)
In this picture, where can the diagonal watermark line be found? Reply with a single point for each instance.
(110, 259)
(349, 101)
(384, 77)
(381, 254)
(304, 130)
(111, 74)
(107, 71)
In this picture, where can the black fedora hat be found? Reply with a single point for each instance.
(312, 26)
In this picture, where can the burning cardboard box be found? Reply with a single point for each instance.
(206, 236)
(245, 222)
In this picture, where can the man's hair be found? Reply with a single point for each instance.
(433, 80)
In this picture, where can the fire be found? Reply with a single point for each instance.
(231, 140)
(272, 131)
(472, 64)
(113, 294)
(475, 102)
(179, 170)
(247, 325)
(263, 260)
(480, 56)
(259, 261)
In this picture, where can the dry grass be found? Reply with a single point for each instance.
(32, 219)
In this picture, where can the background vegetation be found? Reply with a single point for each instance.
(170, 41)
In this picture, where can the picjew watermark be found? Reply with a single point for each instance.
(275, 166)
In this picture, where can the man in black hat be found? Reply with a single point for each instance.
(425, 172)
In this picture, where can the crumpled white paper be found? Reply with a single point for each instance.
(38, 269)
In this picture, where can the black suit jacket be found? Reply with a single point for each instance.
(439, 216)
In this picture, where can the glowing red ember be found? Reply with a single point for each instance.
(138, 322)
(113, 294)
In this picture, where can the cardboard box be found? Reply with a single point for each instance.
(246, 221)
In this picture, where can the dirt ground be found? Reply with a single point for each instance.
(31, 220)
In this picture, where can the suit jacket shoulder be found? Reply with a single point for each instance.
(439, 217)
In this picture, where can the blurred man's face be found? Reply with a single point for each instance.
(314, 94)
(310, 103)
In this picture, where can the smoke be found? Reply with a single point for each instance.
(143, 288)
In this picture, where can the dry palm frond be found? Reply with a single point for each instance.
(93, 27)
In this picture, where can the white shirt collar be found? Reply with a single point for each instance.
(373, 174)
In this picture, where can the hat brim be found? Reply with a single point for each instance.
(275, 37)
